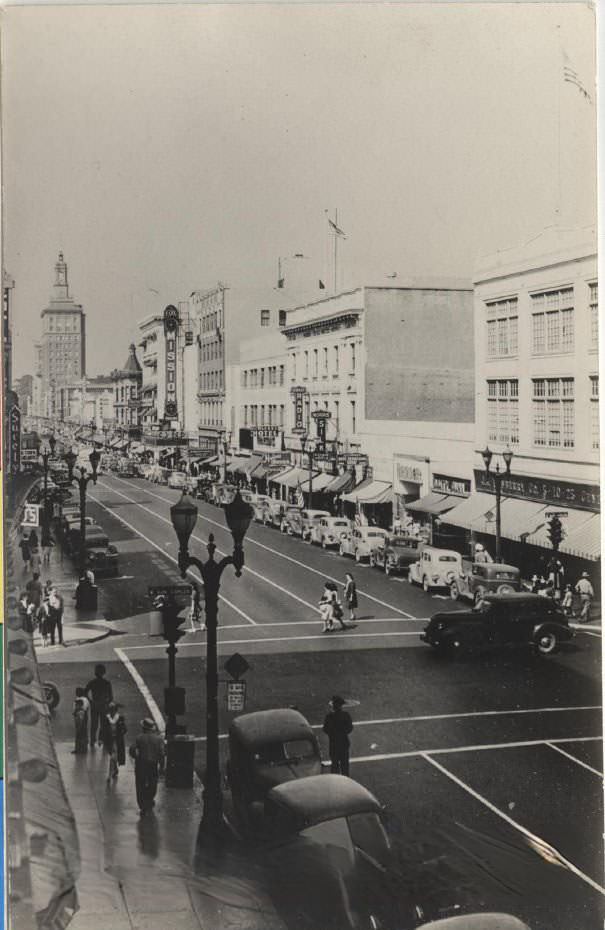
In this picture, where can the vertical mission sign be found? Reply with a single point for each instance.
(171, 325)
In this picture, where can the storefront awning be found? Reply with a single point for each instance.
(434, 503)
(245, 464)
(340, 483)
(582, 533)
(518, 518)
(320, 482)
(137, 448)
(471, 509)
(296, 477)
(278, 478)
(266, 469)
(213, 460)
(370, 492)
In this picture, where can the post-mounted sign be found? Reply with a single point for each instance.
(31, 515)
(236, 696)
(298, 394)
(171, 324)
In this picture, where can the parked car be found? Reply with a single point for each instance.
(479, 578)
(274, 513)
(177, 480)
(101, 555)
(329, 531)
(127, 470)
(310, 519)
(71, 521)
(436, 568)
(328, 857)
(362, 541)
(259, 506)
(517, 619)
(267, 748)
(398, 554)
(292, 520)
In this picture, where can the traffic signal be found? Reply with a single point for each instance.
(555, 532)
(171, 621)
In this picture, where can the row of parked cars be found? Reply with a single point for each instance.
(101, 555)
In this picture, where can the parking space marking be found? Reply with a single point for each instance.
(547, 850)
(289, 558)
(154, 710)
(163, 551)
(575, 759)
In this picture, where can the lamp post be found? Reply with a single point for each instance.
(226, 440)
(46, 456)
(82, 480)
(303, 445)
(184, 517)
(498, 477)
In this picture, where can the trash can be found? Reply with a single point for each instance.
(179, 762)
(86, 596)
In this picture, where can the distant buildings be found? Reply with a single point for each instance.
(127, 383)
(63, 342)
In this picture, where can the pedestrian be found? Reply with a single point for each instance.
(338, 725)
(26, 553)
(482, 555)
(33, 540)
(567, 602)
(100, 694)
(35, 562)
(326, 608)
(55, 616)
(148, 755)
(47, 544)
(195, 609)
(350, 596)
(337, 611)
(81, 715)
(586, 592)
(114, 731)
(535, 584)
(35, 591)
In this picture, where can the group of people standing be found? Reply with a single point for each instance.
(98, 721)
(41, 607)
(331, 608)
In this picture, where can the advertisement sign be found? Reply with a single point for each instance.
(236, 696)
(171, 323)
(266, 435)
(14, 440)
(543, 490)
(443, 484)
(298, 394)
(29, 455)
(31, 516)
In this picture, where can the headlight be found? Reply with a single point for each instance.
(435, 578)
(343, 535)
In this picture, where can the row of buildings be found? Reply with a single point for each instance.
(396, 390)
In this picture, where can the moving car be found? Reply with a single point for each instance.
(101, 556)
(477, 579)
(329, 531)
(436, 568)
(362, 541)
(328, 857)
(398, 554)
(267, 748)
(517, 619)
(177, 480)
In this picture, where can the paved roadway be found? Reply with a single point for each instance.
(490, 767)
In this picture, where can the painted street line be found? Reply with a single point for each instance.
(586, 627)
(479, 747)
(167, 554)
(313, 623)
(289, 558)
(279, 639)
(575, 759)
(590, 633)
(547, 850)
(154, 710)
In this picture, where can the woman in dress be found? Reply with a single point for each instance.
(350, 596)
(326, 608)
(113, 740)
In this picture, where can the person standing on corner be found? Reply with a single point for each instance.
(337, 726)
(148, 754)
(586, 592)
(100, 694)
(350, 594)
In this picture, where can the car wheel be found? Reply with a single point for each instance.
(425, 585)
(506, 589)
(454, 591)
(387, 568)
(357, 556)
(547, 642)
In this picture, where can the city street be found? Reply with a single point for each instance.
(489, 766)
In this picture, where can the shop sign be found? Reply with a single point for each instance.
(321, 415)
(266, 435)
(31, 515)
(171, 322)
(299, 408)
(14, 440)
(207, 444)
(543, 490)
(443, 484)
(409, 473)
(29, 455)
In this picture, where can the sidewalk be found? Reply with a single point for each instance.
(144, 873)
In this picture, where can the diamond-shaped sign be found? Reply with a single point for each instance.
(236, 665)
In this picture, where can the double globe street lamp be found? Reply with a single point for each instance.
(238, 515)
(498, 477)
(82, 479)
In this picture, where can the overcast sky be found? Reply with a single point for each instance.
(163, 148)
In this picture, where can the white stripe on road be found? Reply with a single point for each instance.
(575, 759)
(556, 855)
(167, 554)
(154, 710)
(280, 639)
(520, 744)
(282, 555)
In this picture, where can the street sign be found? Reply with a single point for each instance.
(298, 431)
(236, 665)
(549, 514)
(29, 455)
(321, 415)
(169, 590)
(236, 696)
(31, 515)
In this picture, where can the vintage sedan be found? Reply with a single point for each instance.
(291, 520)
(498, 620)
(329, 860)
(362, 541)
(330, 531)
(259, 505)
(480, 578)
(101, 555)
(177, 480)
(398, 554)
(436, 568)
(274, 513)
(266, 748)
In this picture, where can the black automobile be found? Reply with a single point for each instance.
(497, 620)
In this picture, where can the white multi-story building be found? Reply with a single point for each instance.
(263, 393)
(537, 393)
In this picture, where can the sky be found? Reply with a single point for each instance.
(165, 148)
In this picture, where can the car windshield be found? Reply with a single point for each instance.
(97, 542)
(375, 535)
(289, 751)
(509, 575)
(405, 543)
(369, 835)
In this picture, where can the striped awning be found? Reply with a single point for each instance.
(295, 477)
(434, 503)
(279, 477)
(370, 492)
(320, 481)
(582, 534)
(470, 510)
(340, 483)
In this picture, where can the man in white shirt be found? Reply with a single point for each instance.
(586, 592)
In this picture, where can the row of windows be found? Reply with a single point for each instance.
(553, 412)
(272, 376)
(552, 323)
(211, 350)
(211, 413)
(323, 362)
(265, 317)
(126, 392)
(63, 324)
(263, 415)
(211, 321)
(211, 381)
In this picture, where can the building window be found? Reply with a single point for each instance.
(502, 328)
(353, 356)
(503, 411)
(293, 363)
(306, 364)
(282, 374)
(326, 362)
(282, 318)
(282, 413)
(594, 315)
(265, 317)
(594, 411)
(262, 377)
(315, 363)
(337, 416)
(245, 378)
(552, 322)
(553, 412)
(336, 360)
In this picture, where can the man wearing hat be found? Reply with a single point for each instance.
(148, 755)
(337, 726)
(586, 592)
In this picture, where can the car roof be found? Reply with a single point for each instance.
(441, 551)
(517, 597)
(317, 798)
(268, 726)
(497, 566)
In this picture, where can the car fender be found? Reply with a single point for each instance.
(548, 626)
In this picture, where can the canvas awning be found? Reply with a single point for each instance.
(340, 483)
(434, 503)
(370, 492)
(137, 448)
(295, 477)
(247, 464)
(582, 533)
(470, 510)
(278, 478)
(320, 482)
